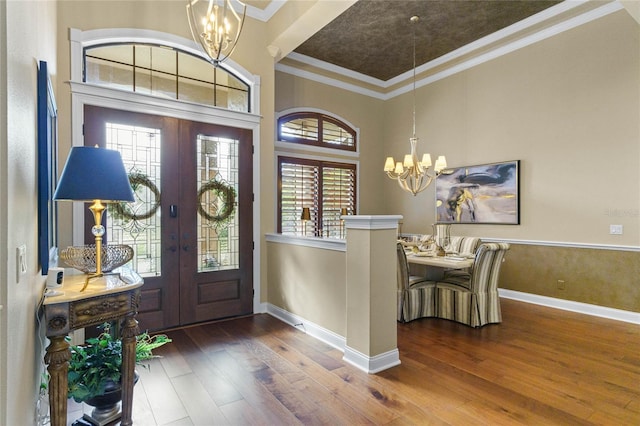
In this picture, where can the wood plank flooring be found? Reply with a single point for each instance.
(541, 366)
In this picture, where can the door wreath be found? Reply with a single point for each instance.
(222, 191)
(123, 210)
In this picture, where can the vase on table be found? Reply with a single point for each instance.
(442, 237)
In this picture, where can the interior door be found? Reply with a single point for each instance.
(190, 225)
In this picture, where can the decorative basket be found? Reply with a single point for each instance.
(83, 258)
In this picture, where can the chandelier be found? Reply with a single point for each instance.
(412, 175)
(216, 25)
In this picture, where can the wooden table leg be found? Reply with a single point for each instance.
(129, 332)
(57, 359)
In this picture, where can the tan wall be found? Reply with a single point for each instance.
(309, 282)
(371, 293)
(21, 341)
(253, 56)
(598, 277)
(363, 112)
(568, 108)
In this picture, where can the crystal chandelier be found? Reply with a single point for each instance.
(216, 25)
(412, 175)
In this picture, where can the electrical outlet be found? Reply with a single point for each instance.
(615, 229)
(560, 284)
(21, 261)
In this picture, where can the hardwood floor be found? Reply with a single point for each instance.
(541, 366)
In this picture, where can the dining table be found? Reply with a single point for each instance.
(446, 262)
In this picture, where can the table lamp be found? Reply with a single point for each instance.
(95, 175)
(306, 215)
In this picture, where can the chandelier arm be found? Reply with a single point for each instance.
(426, 184)
(217, 45)
(403, 185)
(240, 26)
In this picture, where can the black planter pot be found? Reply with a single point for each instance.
(112, 395)
(107, 406)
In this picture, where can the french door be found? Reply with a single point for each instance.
(191, 223)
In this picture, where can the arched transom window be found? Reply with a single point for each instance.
(164, 72)
(314, 128)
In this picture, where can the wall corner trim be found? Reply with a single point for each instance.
(373, 364)
(372, 222)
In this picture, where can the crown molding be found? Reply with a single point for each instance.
(267, 13)
(525, 24)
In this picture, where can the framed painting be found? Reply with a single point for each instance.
(485, 194)
(47, 168)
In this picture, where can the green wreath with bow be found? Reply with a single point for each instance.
(221, 191)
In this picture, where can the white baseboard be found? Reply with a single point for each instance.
(314, 330)
(569, 305)
(373, 364)
(364, 362)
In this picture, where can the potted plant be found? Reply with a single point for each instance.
(94, 369)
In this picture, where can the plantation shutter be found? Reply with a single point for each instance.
(299, 184)
(338, 192)
(324, 187)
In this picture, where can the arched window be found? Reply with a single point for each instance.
(315, 128)
(307, 178)
(166, 72)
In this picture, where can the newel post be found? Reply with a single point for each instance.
(371, 340)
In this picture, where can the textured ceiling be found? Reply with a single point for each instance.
(375, 37)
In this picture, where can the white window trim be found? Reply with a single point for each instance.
(312, 148)
(310, 152)
(89, 94)
(83, 39)
(279, 154)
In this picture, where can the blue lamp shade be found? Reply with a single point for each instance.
(94, 174)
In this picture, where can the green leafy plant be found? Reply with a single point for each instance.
(96, 365)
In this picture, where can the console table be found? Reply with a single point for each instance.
(107, 298)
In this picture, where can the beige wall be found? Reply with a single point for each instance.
(598, 277)
(363, 112)
(569, 109)
(309, 282)
(253, 56)
(20, 341)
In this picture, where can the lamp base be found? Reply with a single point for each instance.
(90, 277)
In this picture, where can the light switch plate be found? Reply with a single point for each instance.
(615, 229)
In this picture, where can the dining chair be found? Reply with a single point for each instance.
(416, 295)
(473, 299)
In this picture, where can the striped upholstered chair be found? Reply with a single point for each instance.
(473, 299)
(416, 295)
(464, 245)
